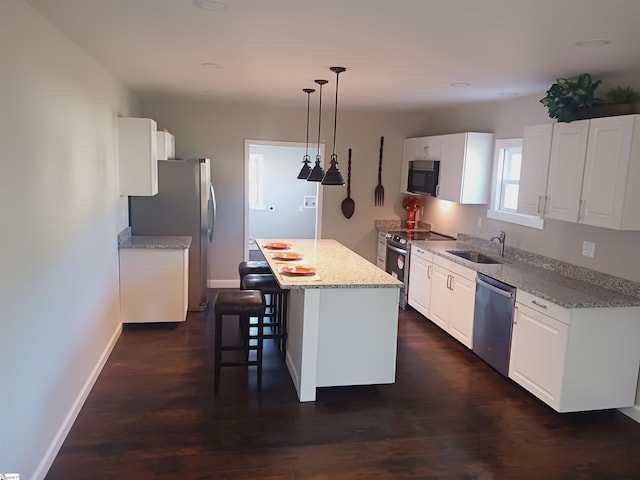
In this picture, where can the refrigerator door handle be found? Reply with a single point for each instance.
(212, 212)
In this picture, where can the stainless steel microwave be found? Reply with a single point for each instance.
(423, 177)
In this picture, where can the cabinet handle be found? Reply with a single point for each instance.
(580, 208)
(545, 208)
(428, 271)
(539, 204)
(515, 315)
(537, 304)
(438, 190)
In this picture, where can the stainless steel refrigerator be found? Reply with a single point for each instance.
(185, 205)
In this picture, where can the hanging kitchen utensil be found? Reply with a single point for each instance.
(348, 205)
(379, 192)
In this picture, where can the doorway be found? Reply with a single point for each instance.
(277, 204)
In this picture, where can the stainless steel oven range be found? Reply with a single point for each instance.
(398, 251)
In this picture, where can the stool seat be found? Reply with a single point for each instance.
(239, 302)
(253, 266)
(245, 304)
(266, 283)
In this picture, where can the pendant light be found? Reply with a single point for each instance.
(306, 160)
(333, 175)
(317, 174)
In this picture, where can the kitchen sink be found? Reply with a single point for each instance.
(475, 257)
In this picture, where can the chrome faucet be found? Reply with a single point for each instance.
(501, 237)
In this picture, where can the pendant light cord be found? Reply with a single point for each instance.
(335, 118)
(337, 71)
(306, 151)
(308, 91)
(319, 122)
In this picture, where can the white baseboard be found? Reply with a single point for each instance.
(632, 412)
(58, 439)
(235, 283)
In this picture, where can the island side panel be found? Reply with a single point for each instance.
(302, 341)
(357, 336)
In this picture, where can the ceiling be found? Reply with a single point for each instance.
(399, 54)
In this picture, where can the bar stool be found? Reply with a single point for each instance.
(246, 304)
(253, 266)
(275, 300)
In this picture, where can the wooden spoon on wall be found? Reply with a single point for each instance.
(348, 205)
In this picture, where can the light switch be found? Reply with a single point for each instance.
(588, 249)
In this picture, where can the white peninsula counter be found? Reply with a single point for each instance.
(342, 321)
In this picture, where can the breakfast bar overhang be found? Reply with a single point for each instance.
(342, 319)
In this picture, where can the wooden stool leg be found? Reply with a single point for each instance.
(217, 351)
(245, 326)
(259, 350)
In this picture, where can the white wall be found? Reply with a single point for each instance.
(284, 215)
(60, 214)
(218, 130)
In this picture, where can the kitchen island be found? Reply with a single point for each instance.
(342, 320)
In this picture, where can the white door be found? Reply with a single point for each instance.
(538, 346)
(606, 169)
(440, 297)
(566, 167)
(420, 284)
(536, 150)
(452, 166)
(461, 309)
(430, 148)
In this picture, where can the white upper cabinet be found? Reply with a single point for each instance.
(611, 187)
(418, 148)
(138, 156)
(465, 167)
(592, 172)
(429, 148)
(166, 146)
(566, 166)
(536, 149)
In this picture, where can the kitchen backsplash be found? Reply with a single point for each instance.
(603, 280)
(390, 225)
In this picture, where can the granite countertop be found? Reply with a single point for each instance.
(336, 266)
(544, 283)
(156, 242)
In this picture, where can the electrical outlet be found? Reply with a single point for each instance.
(588, 249)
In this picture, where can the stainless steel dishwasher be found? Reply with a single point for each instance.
(492, 322)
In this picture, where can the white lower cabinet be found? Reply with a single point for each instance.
(381, 256)
(420, 272)
(154, 285)
(575, 359)
(452, 299)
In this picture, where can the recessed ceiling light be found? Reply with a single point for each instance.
(210, 4)
(592, 43)
(211, 65)
(460, 84)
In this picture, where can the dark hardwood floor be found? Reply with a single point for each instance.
(152, 415)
